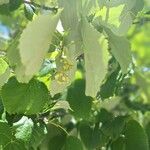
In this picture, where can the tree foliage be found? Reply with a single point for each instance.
(74, 75)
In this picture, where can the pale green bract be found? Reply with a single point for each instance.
(34, 44)
(96, 59)
(58, 87)
(71, 24)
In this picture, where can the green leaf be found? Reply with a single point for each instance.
(71, 24)
(29, 12)
(73, 143)
(15, 145)
(96, 58)
(32, 134)
(4, 9)
(4, 72)
(55, 138)
(108, 88)
(24, 129)
(14, 4)
(91, 137)
(39, 132)
(13, 52)
(104, 116)
(119, 144)
(135, 136)
(120, 14)
(128, 15)
(4, 77)
(7, 140)
(120, 48)
(5, 134)
(114, 128)
(47, 67)
(79, 102)
(24, 98)
(34, 44)
(3, 66)
(56, 41)
(147, 128)
(6, 6)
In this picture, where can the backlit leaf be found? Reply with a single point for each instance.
(34, 44)
(96, 59)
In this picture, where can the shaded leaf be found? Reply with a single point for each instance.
(135, 136)
(72, 143)
(39, 132)
(113, 128)
(55, 138)
(29, 12)
(7, 140)
(119, 144)
(24, 98)
(79, 102)
(91, 137)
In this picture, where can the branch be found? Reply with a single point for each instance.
(40, 6)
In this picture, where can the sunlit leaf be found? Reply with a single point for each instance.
(32, 52)
(120, 48)
(96, 59)
(4, 72)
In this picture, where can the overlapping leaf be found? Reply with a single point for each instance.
(55, 138)
(24, 98)
(120, 14)
(121, 50)
(79, 102)
(7, 140)
(72, 143)
(4, 72)
(34, 44)
(91, 137)
(96, 58)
